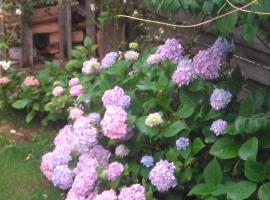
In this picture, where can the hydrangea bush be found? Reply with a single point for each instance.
(161, 124)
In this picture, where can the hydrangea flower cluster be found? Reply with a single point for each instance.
(220, 98)
(172, 50)
(121, 151)
(184, 74)
(4, 81)
(107, 195)
(147, 161)
(153, 119)
(153, 59)
(75, 113)
(131, 55)
(74, 81)
(114, 123)
(114, 171)
(162, 176)
(109, 60)
(62, 177)
(91, 66)
(209, 62)
(182, 143)
(218, 127)
(57, 91)
(76, 90)
(116, 97)
(31, 81)
(134, 192)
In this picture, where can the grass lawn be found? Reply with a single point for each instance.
(20, 155)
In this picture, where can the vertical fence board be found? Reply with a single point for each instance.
(65, 31)
(2, 51)
(27, 55)
(90, 20)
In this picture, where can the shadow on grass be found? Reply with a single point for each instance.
(20, 175)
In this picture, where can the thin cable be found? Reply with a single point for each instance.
(247, 11)
(187, 26)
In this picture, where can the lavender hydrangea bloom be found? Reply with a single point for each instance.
(184, 74)
(76, 90)
(218, 127)
(101, 154)
(74, 196)
(162, 176)
(61, 157)
(109, 60)
(116, 97)
(153, 59)
(107, 195)
(121, 151)
(91, 66)
(94, 117)
(62, 177)
(147, 161)
(171, 50)
(85, 162)
(182, 143)
(65, 138)
(220, 98)
(114, 171)
(208, 62)
(73, 82)
(134, 192)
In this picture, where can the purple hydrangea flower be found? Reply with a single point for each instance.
(121, 151)
(162, 176)
(182, 143)
(101, 154)
(153, 59)
(134, 192)
(62, 177)
(109, 60)
(171, 50)
(107, 195)
(94, 117)
(147, 161)
(90, 66)
(76, 90)
(218, 127)
(114, 171)
(73, 82)
(116, 97)
(208, 62)
(184, 74)
(85, 162)
(220, 98)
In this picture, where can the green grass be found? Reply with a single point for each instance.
(20, 176)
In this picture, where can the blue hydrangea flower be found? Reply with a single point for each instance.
(182, 143)
(147, 161)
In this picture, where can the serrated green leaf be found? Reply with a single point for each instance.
(212, 174)
(175, 128)
(249, 149)
(241, 190)
(254, 171)
(264, 192)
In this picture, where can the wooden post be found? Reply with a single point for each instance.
(65, 31)
(2, 30)
(27, 56)
(90, 20)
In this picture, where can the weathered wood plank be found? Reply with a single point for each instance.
(46, 14)
(27, 56)
(77, 37)
(49, 27)
(2, 51)
(64, 21)
(90, 20)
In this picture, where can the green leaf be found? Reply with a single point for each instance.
(118, 69)
(254, 171)
(197, 145)
(30, 116)
(196, 85)
(208, 7)
(225, 148)
(175, 128)
(264, 192)
(87, 42)
(212, 174)
(73, 64)
(236, 77)
(200, 190)
(185, 111)
(240, 125)
(20, 104)
(76, 54)
(249, 31)
(247, 108)
(226, 24)
(249, 149)
(241, 190)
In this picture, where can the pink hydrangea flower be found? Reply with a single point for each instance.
(107, 195)
(57, 91)
(116, 97)
(220, 98)
(121, 151)
(73, 82)
(184, 74)
(131, 55)
(162, 176)
(76, 90)
(218, 127)
(114, 123)
(134, 192)
(153, 59)
(101, 154)
(75, 113)
(114, 171)
(91, 66)
(31, 81)
(4, 81)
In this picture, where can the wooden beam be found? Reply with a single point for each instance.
(27, 55)
(46, 14)
(77, 37)
(49, 27)
(90, 20)
(65, 29)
